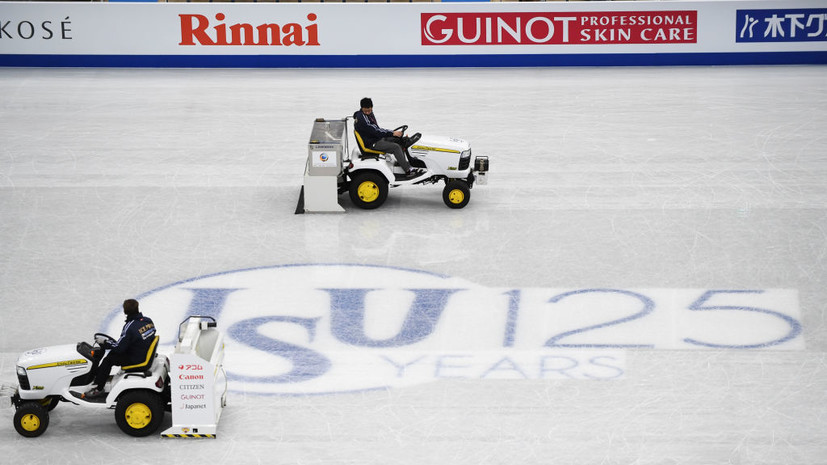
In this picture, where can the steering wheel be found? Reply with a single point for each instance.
(402, 128)
(109, 339)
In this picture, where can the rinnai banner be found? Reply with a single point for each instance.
(412, 35)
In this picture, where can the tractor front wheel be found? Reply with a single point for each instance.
(31, 419)
(456, 194)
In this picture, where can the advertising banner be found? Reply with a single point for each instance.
(412, 34)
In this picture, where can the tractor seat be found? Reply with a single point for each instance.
(146, 365)
(366, 152)
(372, 153)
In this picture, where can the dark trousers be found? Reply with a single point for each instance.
(105, 367)
(388, 145)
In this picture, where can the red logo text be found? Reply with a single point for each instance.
(199, 30)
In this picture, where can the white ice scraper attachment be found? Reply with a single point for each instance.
(197, 380)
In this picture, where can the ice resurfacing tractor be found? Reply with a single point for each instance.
(139, 394)
(338, 161)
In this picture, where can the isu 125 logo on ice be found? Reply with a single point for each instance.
(322, 328)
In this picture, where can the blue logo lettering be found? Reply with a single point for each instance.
(788, 25)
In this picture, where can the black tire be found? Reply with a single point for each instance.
(139, 413)
(456, 194)
(31, 419)
(368, 190)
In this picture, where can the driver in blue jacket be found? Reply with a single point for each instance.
(130, 349)
(378, 138)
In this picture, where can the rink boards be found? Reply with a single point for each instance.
(328, 35)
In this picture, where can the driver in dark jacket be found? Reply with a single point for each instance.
(130, 349)
(378, 138)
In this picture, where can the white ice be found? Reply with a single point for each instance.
(116, 182)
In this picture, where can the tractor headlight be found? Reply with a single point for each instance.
(23, 378)
(464, 160)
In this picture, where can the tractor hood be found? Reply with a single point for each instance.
(441, 144)
(44, 357)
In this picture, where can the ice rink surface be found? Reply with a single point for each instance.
(117, 182)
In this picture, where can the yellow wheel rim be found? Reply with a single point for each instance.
(30, 422)
(138, 415)
(368, 191)
(456, 196)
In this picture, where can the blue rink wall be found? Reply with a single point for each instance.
(407, 61)
(451, 34)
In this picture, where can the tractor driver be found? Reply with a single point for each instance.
(130, 349)
(381, 139)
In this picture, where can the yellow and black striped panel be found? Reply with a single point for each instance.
(209, 436)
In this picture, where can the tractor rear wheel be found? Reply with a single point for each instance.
(368, 190)
(139, 413)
